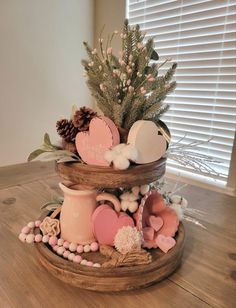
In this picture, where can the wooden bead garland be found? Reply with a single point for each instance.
(69, 251)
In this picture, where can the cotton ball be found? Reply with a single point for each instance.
(109, 156)
(132, 197)
(130, 152)
(144, 189)
(135, 190)
(133, 206)
(124, 205)
(178, 210)
(118, 148)
(125, 196)
(121, 163)
(184, 203)
(176, 199)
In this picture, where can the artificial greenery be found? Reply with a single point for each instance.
(128, 88)
(52, 152)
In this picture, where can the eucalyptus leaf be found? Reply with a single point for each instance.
(66, 160)
(53, 207)
(47, 140)
(35, 154)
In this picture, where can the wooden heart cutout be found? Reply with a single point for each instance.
(106, 223)
(144, 136)
(165, 243)
(155, 222)
(91, 145)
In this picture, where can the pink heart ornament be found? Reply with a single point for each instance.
(165, 243)
(155, 222)
(106, 223)
(92, 145)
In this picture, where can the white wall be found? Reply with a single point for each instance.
(40, 70)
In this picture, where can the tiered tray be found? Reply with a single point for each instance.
(120, 278)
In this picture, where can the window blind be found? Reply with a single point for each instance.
(201, 37)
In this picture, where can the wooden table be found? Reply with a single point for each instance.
(206, 278)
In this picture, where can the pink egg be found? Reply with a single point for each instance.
(55, 248)
(80, 248)
(52, 240)
(31, 224)
(37, 223)
(94, 246)
(38, 238)
(66, 254)
(89, 263)
(25, 230)
(66, 244)
(77, 259)
(22, 237)
(60, 242)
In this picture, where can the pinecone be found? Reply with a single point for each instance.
(82, 118)
(66, 130)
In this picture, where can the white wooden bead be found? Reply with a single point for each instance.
(72, 247)
(96, 265)
(87, 248)
(45, 238)
(71, 256)
(60, 250)
(29, 238)
(84, 262)
(31, 224)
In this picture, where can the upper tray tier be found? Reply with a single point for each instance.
(97, 177)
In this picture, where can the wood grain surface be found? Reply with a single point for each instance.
(95, 176)
(206, 277)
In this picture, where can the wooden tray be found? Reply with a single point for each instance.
(97, 177)
(113, 279)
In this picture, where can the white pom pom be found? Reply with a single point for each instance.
(135, 190)
(125, 196)
(124, 205)
(144, 189)
(109, 156)
(178, 210)
(184, 203)
(133, 206)
(121, 163)
(176, 199)
(130, 152)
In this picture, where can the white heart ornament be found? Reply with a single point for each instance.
(144, 136)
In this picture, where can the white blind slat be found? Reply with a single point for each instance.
(201, 37)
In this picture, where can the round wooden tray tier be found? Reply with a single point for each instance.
(107, 177)
(113, 279)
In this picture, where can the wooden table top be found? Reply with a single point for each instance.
(206, 278)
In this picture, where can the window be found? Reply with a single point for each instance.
(201, 37)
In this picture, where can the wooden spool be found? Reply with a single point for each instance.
(112, 279)
(98, 177)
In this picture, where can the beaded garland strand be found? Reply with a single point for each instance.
(70, 251)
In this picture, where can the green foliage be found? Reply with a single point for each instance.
(128, 88)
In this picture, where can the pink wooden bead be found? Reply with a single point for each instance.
(60, 242)
(66, 254)
(25, 230)
(94, 246)
(22, 237)
(80, 248)
(66, 244)
(52, 240)
(55, 247)
(37, 223)
(31, 224)
(38, 238)
(77, 259)
(89, 263)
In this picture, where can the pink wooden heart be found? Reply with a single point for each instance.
(165, 243)
(91, 145)
(106, 223)
(155, 222)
